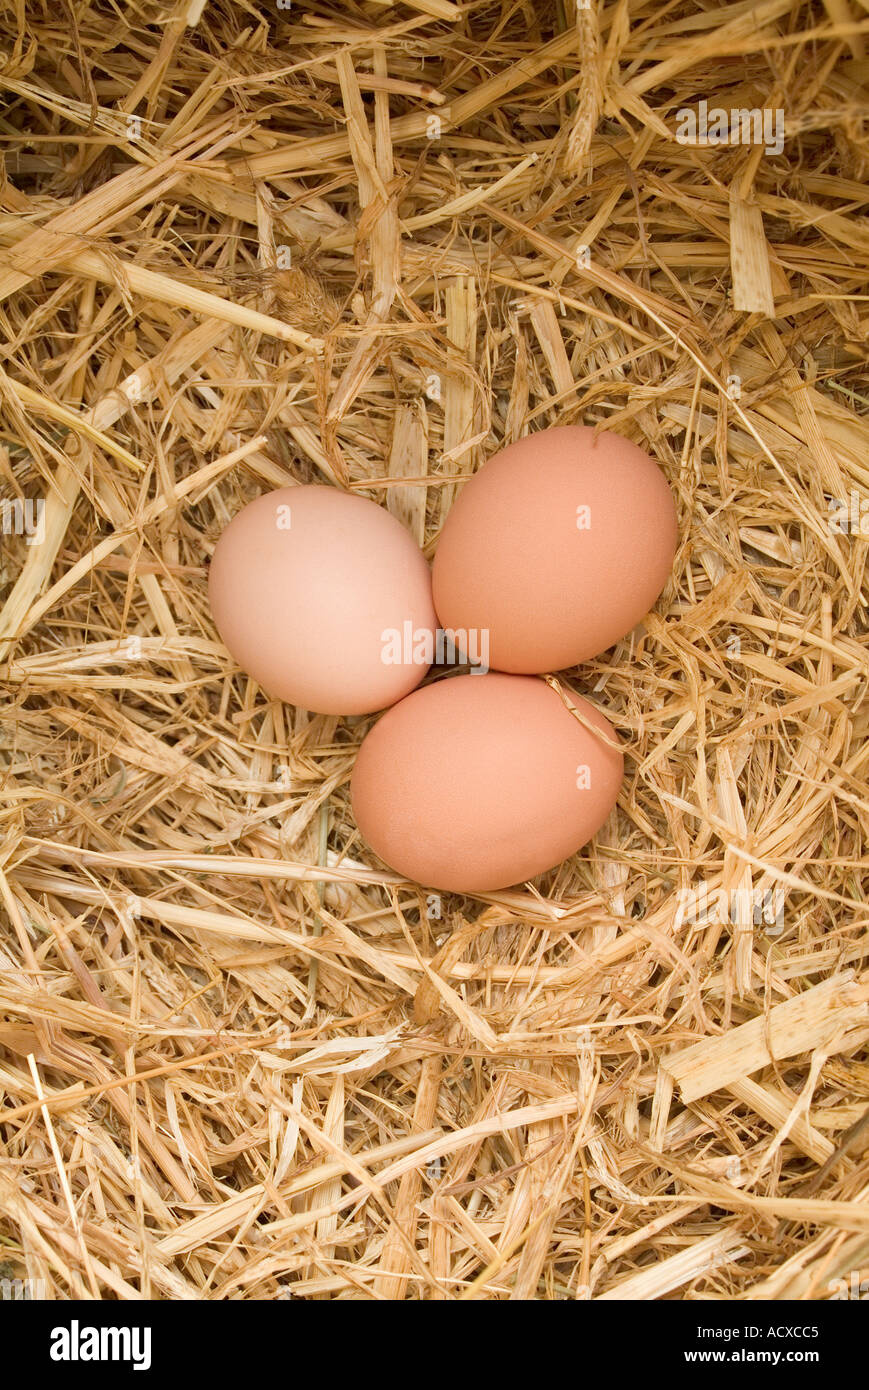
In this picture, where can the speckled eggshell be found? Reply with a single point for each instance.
(306, 586)
(558, 547)
(476, 782)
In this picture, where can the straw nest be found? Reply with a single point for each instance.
(363, 245)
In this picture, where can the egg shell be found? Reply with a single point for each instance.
(556, 549)
(479, 781)
(306, 585)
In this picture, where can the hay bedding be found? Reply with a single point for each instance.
(238, 251)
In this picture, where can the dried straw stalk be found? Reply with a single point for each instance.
(242, 247)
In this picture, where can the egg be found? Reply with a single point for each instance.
(479, 781)
(325, 599)
(556, 549)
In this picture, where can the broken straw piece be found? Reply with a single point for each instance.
(807, 1021)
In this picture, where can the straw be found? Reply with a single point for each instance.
(244, 248)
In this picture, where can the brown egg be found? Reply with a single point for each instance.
(325, 599)
(476, 782)
(556, 548)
